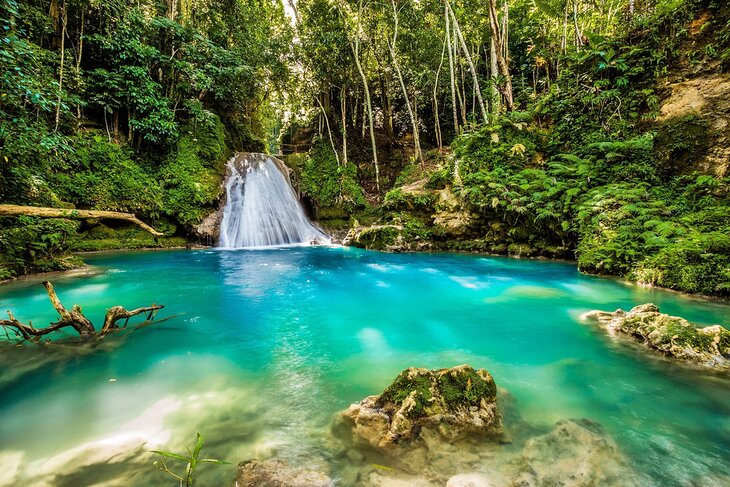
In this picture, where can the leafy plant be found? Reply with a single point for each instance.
(192, 459)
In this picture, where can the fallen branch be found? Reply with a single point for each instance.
(75, 319)
(17, 210)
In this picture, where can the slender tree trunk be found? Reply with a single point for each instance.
(505, 29)
(64, 19)
(462, 95)
(437, 122)
(78, 63)
(564, 38)
(451, 68)
(501, 60)
(343, 109)
(356, 49)
(329, 132)
(471, 64)
(578, 35)
(494, 74)
(411, 112)
(387, 106)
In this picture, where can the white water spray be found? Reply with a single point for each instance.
(262, 209)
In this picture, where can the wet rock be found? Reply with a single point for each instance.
(424, 406)
(470, 480)
(208, 230)
(672, 336)
(573, 454)
(277, 473)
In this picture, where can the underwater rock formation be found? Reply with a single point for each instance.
(277, 473)
(672, 336)
(427, 406)
(576, 453)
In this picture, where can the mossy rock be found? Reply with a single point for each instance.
(452, 405)
(672, 336)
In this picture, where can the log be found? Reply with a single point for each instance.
(75, 319)
(45, 212)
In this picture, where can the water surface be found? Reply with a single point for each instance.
(268, 344)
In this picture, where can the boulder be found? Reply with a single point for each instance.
(672, 336)
(427, 406)
(573, 454)
(277, 473)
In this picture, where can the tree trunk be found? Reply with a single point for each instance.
(437, 122)
(64, 19)
(43, 212)
(387, 106)
(451, 68)
(578, 35)
(343, 109)
(471, 64)
(329, 132)
(501, 61)
(78, 63)
(411, 112)
(494, 74)
(356, 49)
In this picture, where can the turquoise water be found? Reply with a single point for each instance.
(265, 346)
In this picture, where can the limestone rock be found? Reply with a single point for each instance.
(672, 336)
(277, 473)
(573, 454)
(427, 406)
(208, 230)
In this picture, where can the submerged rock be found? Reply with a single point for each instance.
(573, 454)
(277, 473)
(672, 336)
(427, 406)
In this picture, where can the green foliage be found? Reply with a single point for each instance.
(29, 244)
(329, 183)
(503, 145)
(192, 459)
(101, 175)
(191, 176)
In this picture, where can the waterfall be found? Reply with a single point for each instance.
(261, 208)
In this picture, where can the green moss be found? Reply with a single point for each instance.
(465, 388)
(378, 238)
(402, 387)
(397, 199)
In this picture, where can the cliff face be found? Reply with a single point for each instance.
(695, 101)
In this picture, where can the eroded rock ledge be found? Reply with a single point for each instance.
(448, 404)
(671, 336)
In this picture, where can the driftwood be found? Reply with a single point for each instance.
(17, 210)
(75, 319)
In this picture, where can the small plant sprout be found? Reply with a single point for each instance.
(193, 459)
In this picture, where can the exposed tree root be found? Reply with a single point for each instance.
(75, 319)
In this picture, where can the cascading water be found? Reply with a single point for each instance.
(261, 208)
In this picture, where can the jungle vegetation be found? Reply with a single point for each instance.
(544, 118)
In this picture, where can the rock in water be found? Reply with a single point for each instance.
(277, 473)
(673, 336)
(573, 454)
(447, 404)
